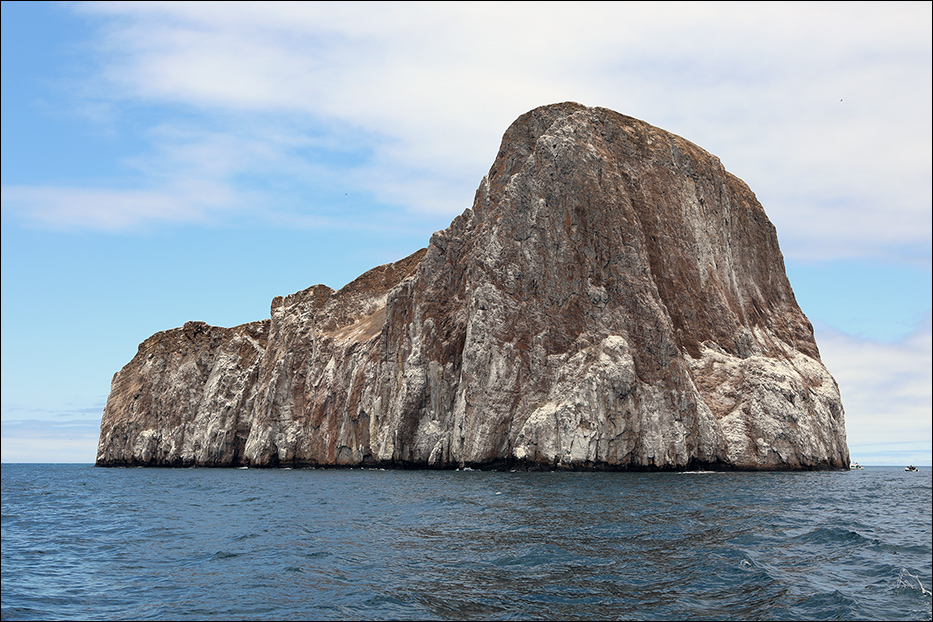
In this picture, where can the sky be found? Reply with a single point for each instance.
(167, 162)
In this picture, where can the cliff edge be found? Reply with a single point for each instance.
(613, 300)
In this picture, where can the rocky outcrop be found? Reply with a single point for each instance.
(613, 300)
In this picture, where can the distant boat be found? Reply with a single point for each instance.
(911, 468)
(855, 466)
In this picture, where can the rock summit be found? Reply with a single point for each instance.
(614, 299)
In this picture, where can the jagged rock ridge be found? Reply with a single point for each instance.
(613, 300)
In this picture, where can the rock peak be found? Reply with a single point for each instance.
(614, 299)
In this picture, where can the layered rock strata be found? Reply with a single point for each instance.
(613, 300)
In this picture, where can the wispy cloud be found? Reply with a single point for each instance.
(823, 108)
(50, 435)
(886, 388)
(108, 209)
(47, 441)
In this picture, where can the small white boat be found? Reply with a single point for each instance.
(911, 468)
(855, 466)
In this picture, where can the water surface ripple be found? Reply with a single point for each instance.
(182, 544)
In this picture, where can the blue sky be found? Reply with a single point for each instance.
(166, 162)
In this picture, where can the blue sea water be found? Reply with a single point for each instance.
(80, 542)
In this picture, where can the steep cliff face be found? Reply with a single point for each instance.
(614, 299)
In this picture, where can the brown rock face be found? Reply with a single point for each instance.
(613, 300)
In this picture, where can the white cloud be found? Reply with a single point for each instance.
(46, 441)
(105, 209)
(204, 175)
(36, 434)
(429, 89)
(887, 390)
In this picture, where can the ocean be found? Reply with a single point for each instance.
(80, 542)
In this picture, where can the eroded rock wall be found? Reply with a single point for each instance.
(613, 299)
(185, 398)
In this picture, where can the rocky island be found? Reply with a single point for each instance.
(614, 299)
